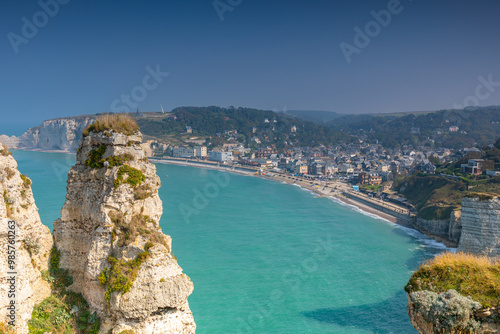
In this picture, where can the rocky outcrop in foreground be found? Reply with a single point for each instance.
(32, 243)
(110, 240)
(450, 312)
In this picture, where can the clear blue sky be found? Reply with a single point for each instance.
(264, 54)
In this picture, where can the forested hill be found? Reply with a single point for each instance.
(267, 126)
(316, 116)
(446, 128)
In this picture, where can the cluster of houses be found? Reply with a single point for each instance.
(362, 163)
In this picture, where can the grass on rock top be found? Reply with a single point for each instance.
(482, 196)
(474, 276)
(121, 123)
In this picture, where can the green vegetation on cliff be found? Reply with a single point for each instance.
(134, 176)
(435, 197)
(122, 274)
(95, 159)
(469, 275)
(64, 311)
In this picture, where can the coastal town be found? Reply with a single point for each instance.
(360, 173)
(421, 188)
(418, 182)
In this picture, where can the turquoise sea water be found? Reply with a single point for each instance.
(267, 257)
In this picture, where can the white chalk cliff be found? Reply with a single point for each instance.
(111, 243)
(480, 225)
(57, 134)
(33, 243)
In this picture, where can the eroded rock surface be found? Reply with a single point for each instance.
(33, 243)
(111, 219)
(480, 226)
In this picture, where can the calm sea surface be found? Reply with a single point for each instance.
(267, 257)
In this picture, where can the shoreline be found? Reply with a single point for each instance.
(42, 151)
(330, 190)
(327, 190)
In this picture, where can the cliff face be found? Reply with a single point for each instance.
(33, 243)
(110, 240)
(480, 226)
(58, 134)
(449, 229)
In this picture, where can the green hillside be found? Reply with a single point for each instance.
(212, 123)
(476, 126)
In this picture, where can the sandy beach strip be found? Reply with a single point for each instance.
(201, 165)
(333, 189)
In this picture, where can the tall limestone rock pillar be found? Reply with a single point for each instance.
(480, 225)
(111, 243)
(29, 242)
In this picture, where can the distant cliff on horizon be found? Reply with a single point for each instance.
(214, 126)
(58, 134)
(189, 124)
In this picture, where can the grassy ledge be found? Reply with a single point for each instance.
(482, 196)
(121, 123)
(474, 276)
(134, 179)
(96, 161)
(64, 311)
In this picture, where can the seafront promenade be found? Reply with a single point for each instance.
(339, 190)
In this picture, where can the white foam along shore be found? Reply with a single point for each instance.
(329, 192)
(324, 191)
